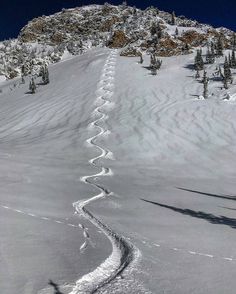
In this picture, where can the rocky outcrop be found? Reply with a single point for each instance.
(78, 29)
(118, 40)
(130, 52)
(193, 38)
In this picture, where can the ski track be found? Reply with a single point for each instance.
(123, 254)
(138, 237)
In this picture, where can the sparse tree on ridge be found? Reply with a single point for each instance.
(204, 78)
(197, 76)
(227, 72)
(233, 59)
(205, 86)
(176, 32)
(199, 63)
(155, 62)
(219, 47)
(233, 41)
(173, 20)
(210, 56)
(141, 59)
(32, 86)
(45, 74)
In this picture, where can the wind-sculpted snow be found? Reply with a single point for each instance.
(123, 252)
(140, 156)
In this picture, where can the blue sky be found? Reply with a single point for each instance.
(14, 14)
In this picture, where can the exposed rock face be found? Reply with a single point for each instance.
(118, 40)
(79, 29)
(130, 52)
(193, 38)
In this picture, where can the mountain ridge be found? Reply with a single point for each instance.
(73, 31)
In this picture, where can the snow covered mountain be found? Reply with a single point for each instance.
(73, 31)
(115, 179)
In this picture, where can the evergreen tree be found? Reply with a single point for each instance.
(186, 48)
(173, 20)
(204, 78)
(159, 31)
(225, 83)
(198, 64)
(155, 63)
(197, 76)
(32, 86)
(153, 29)
(229, 59)
(233, 41)
(210, 56)
(219, 47)
(213, 50)
(233, 59)
(45, 74)
(176, 32)
(141, 58)
(205, 88)
(227, 71)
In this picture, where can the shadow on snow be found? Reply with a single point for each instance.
(209, 194)
(211, 218)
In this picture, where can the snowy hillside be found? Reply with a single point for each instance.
(117, 174)
(116, 181)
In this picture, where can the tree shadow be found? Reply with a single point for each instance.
(55, 286)
(215, 79)
(147, 67)
(211, 218)
(190, 66)
(209, 194)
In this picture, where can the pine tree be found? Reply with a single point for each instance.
(233, 59)
(198, 64)
(225, 83)
(233, 41)
(230, 60)
(210, 56)
(204, 78)
(159, 31)
(155, 63)
(141, 58)
(227, 71)
(173, 20)
(197, 76)
(176, 32)
(219, 47)
(32, 86)
(213, 50)
(205, 89)
(153, 29)
(45, 74)
(186, 48)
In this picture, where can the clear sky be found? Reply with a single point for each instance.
(14, 14)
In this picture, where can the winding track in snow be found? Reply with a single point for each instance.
(123, 252)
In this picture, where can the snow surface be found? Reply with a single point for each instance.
(171, 189)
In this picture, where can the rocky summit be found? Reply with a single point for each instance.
(74, 31)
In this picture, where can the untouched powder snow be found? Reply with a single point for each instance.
(149, 168)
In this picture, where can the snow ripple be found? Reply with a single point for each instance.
(123, 252)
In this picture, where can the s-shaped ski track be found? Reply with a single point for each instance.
(124, 254)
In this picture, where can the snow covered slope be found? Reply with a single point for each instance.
(159, 162)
